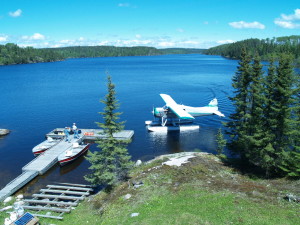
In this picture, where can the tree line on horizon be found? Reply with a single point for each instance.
(13, 54)
(265, 48)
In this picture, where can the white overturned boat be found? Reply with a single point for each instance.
(173, 128)
(45, 145)
(72, 153)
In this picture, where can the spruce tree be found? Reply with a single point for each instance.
(255, 125)
(111, 165)
(221, 142)
(267, 151)
(237, 126)
(282, 104)
(290, 165)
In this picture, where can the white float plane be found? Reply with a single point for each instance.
(173, 114)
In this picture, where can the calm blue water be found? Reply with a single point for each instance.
(36, 98)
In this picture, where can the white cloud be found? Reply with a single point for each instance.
(287, 21)
(127, 5)
(295, 16)
(286, 24)
(123, 4)
(38, 40)
(16, 13)
(225, 41)
(66, 41)
(103, 43)
(243, 24)
(35, 36)
(188, 43)
(165, 44)
(3, 38)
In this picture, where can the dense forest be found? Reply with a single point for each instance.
(264, 129)
(264, 48)
(13, 54)
(104, 51)
(169, 51)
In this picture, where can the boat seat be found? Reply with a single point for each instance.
(50, 139)
(75, 145)
(69, 152)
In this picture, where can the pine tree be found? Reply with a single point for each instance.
(111, 165)
(237, 126)
(255, 126)
(291, 163)
(266, 153)
(221, 142)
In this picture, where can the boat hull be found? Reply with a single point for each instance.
(37, 152)
(44, 146)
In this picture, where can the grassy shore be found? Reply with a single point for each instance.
(202, 191)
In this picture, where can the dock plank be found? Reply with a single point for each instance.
(70, 188)
(77, 185)
(44, 208)
(17, 183)
(46, 216)
(58, 197)
(64, 192)
(34, 201)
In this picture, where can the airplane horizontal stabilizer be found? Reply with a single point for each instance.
(219, 113)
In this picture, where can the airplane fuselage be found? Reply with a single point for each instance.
(194, 111)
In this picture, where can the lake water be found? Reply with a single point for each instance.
(36, 98)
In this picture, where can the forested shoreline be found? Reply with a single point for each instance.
(13, 54)
(265, 48)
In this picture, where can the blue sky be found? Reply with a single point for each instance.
(161, 24)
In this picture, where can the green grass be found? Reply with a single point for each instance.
(203, 191)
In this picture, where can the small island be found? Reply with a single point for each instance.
(4, 132)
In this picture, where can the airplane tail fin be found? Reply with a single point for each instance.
(213, 102)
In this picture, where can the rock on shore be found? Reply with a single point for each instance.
(4, 132)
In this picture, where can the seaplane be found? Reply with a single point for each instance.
(178, 117)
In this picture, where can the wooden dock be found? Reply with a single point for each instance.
(49, 158)
(55, 200)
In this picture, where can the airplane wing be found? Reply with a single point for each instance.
(171, 104)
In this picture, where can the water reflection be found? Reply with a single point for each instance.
(72, 165)
(173, 142)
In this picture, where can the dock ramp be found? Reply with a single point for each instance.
(17, 183)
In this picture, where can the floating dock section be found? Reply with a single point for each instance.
(49, 158)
